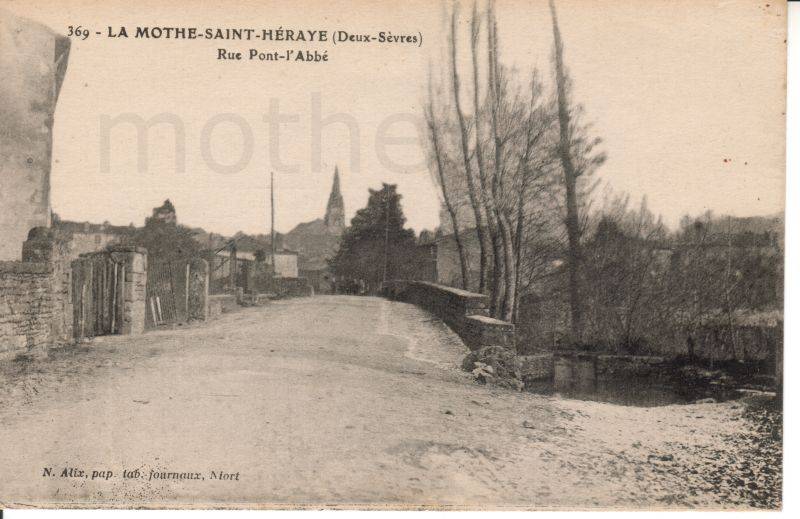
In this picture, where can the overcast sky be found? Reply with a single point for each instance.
(688, 97)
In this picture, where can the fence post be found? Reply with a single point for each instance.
(186, 291)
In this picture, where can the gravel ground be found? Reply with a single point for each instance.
(342, 401)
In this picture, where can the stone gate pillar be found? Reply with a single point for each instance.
(198, 290)
(134, 260)
(48, 247)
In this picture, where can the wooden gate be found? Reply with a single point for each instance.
(167, 297)
(98, 284)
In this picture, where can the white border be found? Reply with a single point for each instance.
(792, 329)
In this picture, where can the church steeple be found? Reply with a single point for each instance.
(334, 214)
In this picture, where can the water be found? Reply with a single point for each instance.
(636, 393)
(640, 382)
(631, 393)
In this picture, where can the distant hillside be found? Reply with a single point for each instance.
(741, 230)
(752, 224)
(314, 242)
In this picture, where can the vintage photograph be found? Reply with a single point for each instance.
(448, 255)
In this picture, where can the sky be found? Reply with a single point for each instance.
(688, 97)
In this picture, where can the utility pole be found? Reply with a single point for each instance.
(272, 217)
(386, 235)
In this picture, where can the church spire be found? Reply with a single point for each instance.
(335, 193)
(334, 214)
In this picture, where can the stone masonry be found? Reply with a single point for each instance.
(25, 307)
(135, 260)
(46, 246)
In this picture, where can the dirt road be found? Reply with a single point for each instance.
(335, 401)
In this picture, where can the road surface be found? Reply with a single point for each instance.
(341, 401)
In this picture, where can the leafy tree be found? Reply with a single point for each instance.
(165, 241)
(377, 246)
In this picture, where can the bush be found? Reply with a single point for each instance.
(494, 365)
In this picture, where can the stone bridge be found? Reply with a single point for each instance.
(467, 313)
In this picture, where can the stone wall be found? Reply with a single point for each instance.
(479, 330)
(584, 371)
(26, 308)
(466, 313)
(221, 304)
(291, 287)
(536, 367)
(33, 61)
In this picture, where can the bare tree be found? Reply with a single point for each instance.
(440, 161)
(499, 265)
(578, 158)
(506, 151)
(473, 190)
(532, 186)
(496, 91)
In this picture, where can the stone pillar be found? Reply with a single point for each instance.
(33, 61)
(134, 260)
(198, 290)
(563, 372)
(46, 246)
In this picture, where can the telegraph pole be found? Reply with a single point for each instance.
(386, 235)
(272, 217)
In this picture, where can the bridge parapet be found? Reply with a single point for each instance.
(466, 313)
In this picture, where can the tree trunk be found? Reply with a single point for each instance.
(570, 182)
(445, 195)
(518, 240)
(498, 276)
(474, 196)
(504, 227)
(498, 264)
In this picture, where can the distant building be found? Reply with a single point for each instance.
(318, 276)
(285, 264)
(165, 213)
(440, 261)
(252, 271)
(85, 237)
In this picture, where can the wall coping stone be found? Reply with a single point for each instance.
(24, 267)
(648, 359)
(127, 248)
(222, 296)
(452, 290)
(490, 320)
(115, 248)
